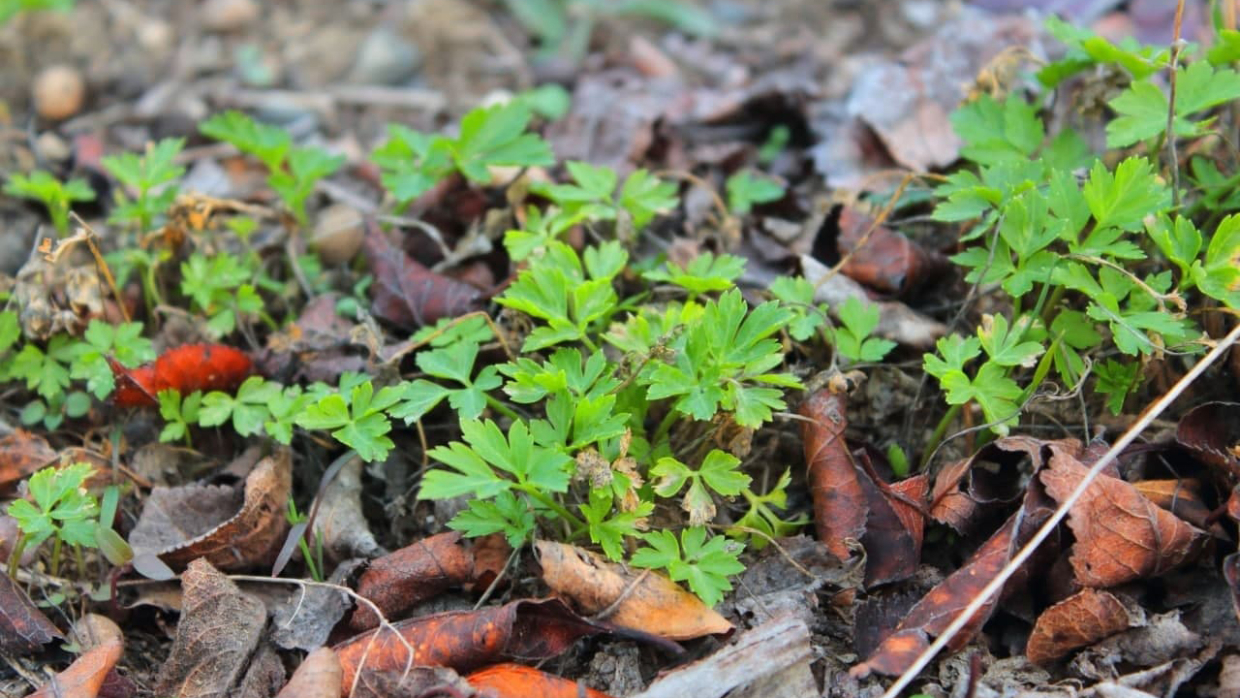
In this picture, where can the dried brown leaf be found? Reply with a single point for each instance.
(85, 676)
(1212, 433)
(318, 676)
(403, 579)
(408, 294)
(1080, 620)
(888, 261)
(22, 453)
(23, 627)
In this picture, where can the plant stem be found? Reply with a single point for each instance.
(503, 409)
(16, 555)
(553, 505)
(56, 556)
(937, 436)
(665, 426)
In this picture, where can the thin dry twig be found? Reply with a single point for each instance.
(1148, 416)
(1172, 155)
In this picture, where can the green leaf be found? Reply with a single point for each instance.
(1006, 348)
(1117, 380)
(644, 196)
(747, 187)
(506, 513)
(1219, 275)
(1142, 110)
(1124, 198)
(268, 143)
(703, 274)
(496, 136)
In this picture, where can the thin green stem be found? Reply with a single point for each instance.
(16, 555)
(553, 505)
(56, 556)
(503, 409)
(665, 426)
(937, 436)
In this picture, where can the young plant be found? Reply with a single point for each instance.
(593, 197)
(56, 196)
(221, 287)
(62, 508)
(149, 179)
(858, 320)
(705, 565)
(356, 417)
(453, 364)
(746, 188)
(179, 414)
(249, 409)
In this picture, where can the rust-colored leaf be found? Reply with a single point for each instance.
(408, 294)
(185, 369)
(648, 601)
(888, 261)
(848, 503)
(219, 630)
(1078, 621)
(23, 627)
(233, 528)
(518, 681)
(1212, 433)
(1181, 497)
(85, 676)
(466, 640)
(966, 490)
(22, 453)
(1120, 534)
(318, 676)
(401, 580)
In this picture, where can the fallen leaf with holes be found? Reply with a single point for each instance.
(966, 490)
(1211, 432)
(231, 527)
(85, 676)
(23, 627)
(888, 261)
(848, 502)
(22, 453)
(1078, 621)
(518, 681)
(318, 676)
(940, 606)
(1120, 534)
(637, 599)
(219, 631)
(408, 294)
(403, 579)
(466, 640)
(184, 369)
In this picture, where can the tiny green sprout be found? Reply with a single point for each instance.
(858, 320)
(11, 8)
(746, 188)
(62, 508)
(178, 414)
(314, 561)
(149, 178)
(58, 197)
(704, 564)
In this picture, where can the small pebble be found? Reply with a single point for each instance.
(338, 233)
(385, 58)
(228, 15)
(59, 92)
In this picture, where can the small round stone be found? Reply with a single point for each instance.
(59, 92)
(338, 233)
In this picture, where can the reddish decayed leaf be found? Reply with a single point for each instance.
(22, 453)
(466, 640)
(399, 581)
(889, 261)
(965, 489)
(1181, 497)
(185, 369)
(850, 504)
(23, 627)
(408, 294)
(1120, 534)
(1084, 618)
(1212, 432)
(518, 681)
(84, 677)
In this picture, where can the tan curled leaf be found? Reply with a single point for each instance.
(318, 676)
(1078, 621)
(651, 602)
(84, 677)
(233, 528)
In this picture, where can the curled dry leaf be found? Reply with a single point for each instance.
(1080, 620)
(466, 640)
(518, 681)
(850, 504)
(339, 522)
(896, 321)
(1181, 497)
(989, 479)
(888, 261)
(219, 630)
(1212, 433)
(1120, 534)
(23, 627)
(408, 294)
(22, 453)
(85, 676)
(184, 369)
(229, 527)
(643, 600)
(401, 580)
(318, 676)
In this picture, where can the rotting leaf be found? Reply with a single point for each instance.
(1080, 620)
(85, 676)
(185, 369)
(418, 682)
(405, 578)
(219, 630)
(849, 504)
(230, 528)
(1181, 497)
(23, 627)
(888, 262)
(408, 294)
(22, 453)
(466, 640)
(1120, 534)
(339, 522)
(519, 681)
(318, 676)
(1212, 433)
(643, 600)
(987, 479)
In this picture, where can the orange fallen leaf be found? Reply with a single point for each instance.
(648, 601)
(401, 580)
(318, 676)
(84, 677)
(230, 529)
(1181, 497)
(184, 369)
(889, 261)
(518, 681)
(22, 453)
(1080, 620)
(466, 640)
(1120, 534)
